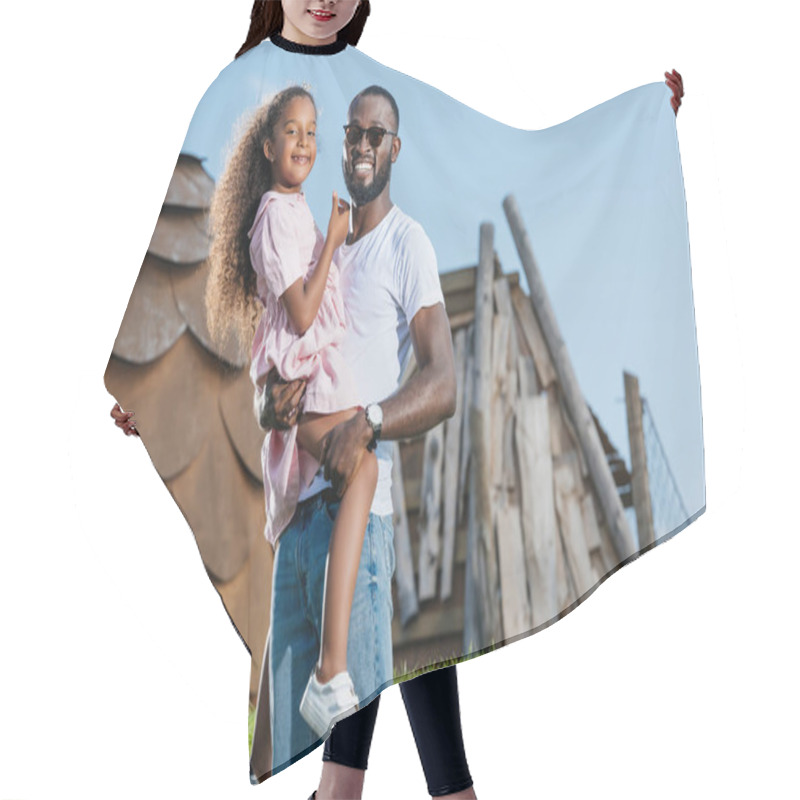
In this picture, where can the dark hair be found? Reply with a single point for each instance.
(381, 92)
(266, 18)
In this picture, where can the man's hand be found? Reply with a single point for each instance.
(342, 451)
(278, 406)
(675, 82)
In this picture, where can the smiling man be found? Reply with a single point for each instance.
(393, 302)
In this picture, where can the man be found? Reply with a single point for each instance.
(393, 300)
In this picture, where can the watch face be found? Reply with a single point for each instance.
(375, 414)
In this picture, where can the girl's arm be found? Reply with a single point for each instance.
(302, 299)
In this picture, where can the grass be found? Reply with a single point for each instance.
(438, 662)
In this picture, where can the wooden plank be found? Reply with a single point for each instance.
(568, 507)
(564, 436)
(431, 623)
(499, 409)
(504, 306)
(462, 319)
(466, 442)
(585, 427)
(640, 481)
(533, 337)
(539, 525)
(514, 594)
(567, 590)
(514, 603)
(483, 622)
(430, 518)
(527, 381)
(404, 565)
(451, 468)
(463, 280)
(591, 525)
(458, 280)
(481, 550)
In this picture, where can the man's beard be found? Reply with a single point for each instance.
(361, 194)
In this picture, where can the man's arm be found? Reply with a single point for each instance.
(422, 403)
(429, 397)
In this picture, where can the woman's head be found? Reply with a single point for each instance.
(344, 19)
(276, 149)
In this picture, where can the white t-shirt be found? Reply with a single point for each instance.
(386, 277)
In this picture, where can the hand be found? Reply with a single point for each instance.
(675, 82)
(280, 403)
(124, 420)
(339, 224)
(342, 451)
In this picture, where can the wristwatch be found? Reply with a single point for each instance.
(375, 420)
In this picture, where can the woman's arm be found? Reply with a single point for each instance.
(124, 420)
(303, 298)
(675, 82)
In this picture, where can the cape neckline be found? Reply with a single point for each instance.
(308, 49)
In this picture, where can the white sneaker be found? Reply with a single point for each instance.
(324, 704)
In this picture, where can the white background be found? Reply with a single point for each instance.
(120, 674)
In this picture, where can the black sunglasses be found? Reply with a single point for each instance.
(353, 134)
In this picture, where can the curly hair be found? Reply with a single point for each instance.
(231, 300)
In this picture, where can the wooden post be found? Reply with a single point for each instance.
(539, 525)
(480, 607)
(466, 443)
(566, 473)
(452, 445)
(514, 598)
(640, 480)
(404, 566)
(585, 428)
(430, 512)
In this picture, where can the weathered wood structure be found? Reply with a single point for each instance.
(525, 515)
(506, 515)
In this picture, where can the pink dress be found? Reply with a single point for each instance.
(285, 244)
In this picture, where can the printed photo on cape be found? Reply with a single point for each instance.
(561, 259)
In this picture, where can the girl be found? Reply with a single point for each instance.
(288, 268)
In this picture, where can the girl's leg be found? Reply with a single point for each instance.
(347, 540)
(433, 710)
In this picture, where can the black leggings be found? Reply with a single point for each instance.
(432, 706)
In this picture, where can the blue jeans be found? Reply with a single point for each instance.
(296, 617)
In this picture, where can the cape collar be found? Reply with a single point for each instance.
(308, 49)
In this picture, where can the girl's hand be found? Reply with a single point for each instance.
(339, 224)
(675, 82)
(281, 402)
(124, 420)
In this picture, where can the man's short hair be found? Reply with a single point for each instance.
(381, 92)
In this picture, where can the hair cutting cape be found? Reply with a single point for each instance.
(577, 440)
